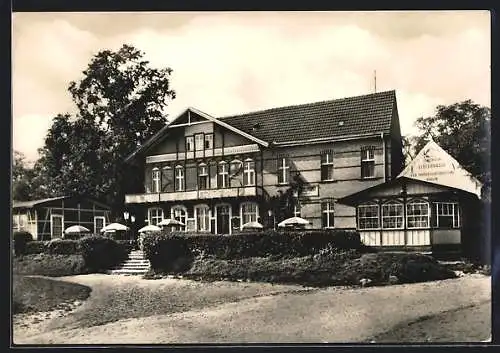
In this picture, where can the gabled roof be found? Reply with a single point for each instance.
(360, 115)
(354, 198)
(155, 138)
(432, 163)
(33, 203)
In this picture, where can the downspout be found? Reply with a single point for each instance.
(384, 155)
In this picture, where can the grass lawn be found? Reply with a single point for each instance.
(122, 297)
(49, 265)
(34, 294)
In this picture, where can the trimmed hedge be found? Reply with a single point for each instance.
(37, 247)
(63, 247)
(167, 252)
(21, 239)
(260, 244)
(101, 253)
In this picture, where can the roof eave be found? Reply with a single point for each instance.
(330, 139)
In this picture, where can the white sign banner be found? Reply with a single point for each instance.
(435, 165)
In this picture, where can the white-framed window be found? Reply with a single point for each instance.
(202, 176)
(249, 212)
(155, 215)
(202, 216)
(367, 162)
(392, 215)
(209, 141)
(327, 214)
(99, 223)
(223, 175)
(327, 166)
(56, 226)
(189, 143)
(179, 213)
(283, 169)
(156, 178)
(199, 142)
(249, 172)
(179, 178)
(447, 214)
(417, 214)
(368, 216)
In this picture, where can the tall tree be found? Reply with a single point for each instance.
(463, 130)
(22, 177)
(121, 102)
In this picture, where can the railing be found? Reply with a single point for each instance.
(216, 152)
(194, 195)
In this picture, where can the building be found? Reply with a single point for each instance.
(216, 174)
(432, 205)
(48, 218)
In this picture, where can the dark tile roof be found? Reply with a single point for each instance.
(371, 113)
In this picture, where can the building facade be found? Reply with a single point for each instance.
(216, 174)
(48, 218)
(433, 204)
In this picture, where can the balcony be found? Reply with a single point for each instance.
(216, 152)
(242, 191)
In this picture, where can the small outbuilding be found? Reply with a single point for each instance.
(433, 205)
(48, 218)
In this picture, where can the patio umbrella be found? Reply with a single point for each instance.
(113, 227)
(252, 225)
(170, 222)
(76, 229)
(293, 221)
(149, 228)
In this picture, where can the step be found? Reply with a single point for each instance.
(128, 272)
(136, 260)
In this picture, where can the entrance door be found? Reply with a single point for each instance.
(56, 226)
(223, 214)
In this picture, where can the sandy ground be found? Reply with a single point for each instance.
(327, 315)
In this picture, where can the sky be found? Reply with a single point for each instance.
(234, 62)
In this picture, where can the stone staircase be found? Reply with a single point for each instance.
(136, 264)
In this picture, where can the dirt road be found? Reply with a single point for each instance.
(327, 315)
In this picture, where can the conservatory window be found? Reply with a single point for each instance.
(368, 216)
(392, 215)
(447, 215)
(417, 214)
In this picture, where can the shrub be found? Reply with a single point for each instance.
(271, 243)
(63, 247)
(329, 267)
(50, 265)
(21, 238)
(101, 253)
(36, 247)
(167, 252)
